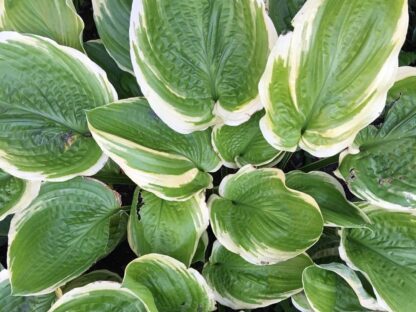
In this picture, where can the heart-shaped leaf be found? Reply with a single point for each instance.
(329, 78)
(171, 165)
(239, 284)
(262, 220)
(199, 62)
(380, 166)
(45, 89)
(60, 235)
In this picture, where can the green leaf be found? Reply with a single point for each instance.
(124, 83)
(60, 235)
(385, 254)
(380, 166)
(45, 91)
(173, 286)
(201, 249)
(54, 19)
(329, 78)
(15, 194)
(169, 228)
(262, 220)
(118, 230)
(10, 303)
(104, 297)
(336, 288)
(301, 302)
(244, 144)
(91, 277)
(239, 284)
(330, 196)
(199, 62)
(112, 18)
(171, 165)
(282, 12)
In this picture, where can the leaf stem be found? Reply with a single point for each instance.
(322, 163)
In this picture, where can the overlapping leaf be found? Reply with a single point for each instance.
(60, 235)
(262, 220)
(112, 18)
(380, 166)
(244, 144)
(329, 78)
(173, 286)
(385, 254)
(168, 228)
(104, 297)
(171, 165)
(54, 19)
(199, 62)
(10, 303)
(330, 196)
(15, 194)
(241, 285)
(45, 89)
(335, 287)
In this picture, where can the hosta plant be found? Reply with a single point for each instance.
(161, 156)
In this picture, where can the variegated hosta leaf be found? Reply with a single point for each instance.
(55, 19)
(244, 144)
(262, 220)
(9, 303)
(60, 235)
(45, 89)
(124, 83)
(167, 227)
(104, 297)
(112, 18)
(92, 277)
(300, 302)
(329, 78)
(171, 165)
(15, 194)
(330, 196)
(173, 286)
(335, 287)
(385, 253)
(199, 62)
(239, 284)
(380, 166)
